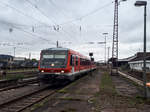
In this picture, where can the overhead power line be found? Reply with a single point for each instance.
(32, 34)
(88, 14)
(60, 11)
(17, 10)
(38, 9)
(67, 22)
(7, 5)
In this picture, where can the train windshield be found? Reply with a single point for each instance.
(53, 59)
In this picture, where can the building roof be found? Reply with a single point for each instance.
(127, 59)
(139, 56)
(3, 56)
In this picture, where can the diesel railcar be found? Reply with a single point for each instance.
(63, 63)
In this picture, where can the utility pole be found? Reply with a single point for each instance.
(105, 46)
(80, 29)
(108, 53)
(57, 44)
(14, 51)
(108, 57)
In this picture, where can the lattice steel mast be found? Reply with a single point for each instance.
(115, 41)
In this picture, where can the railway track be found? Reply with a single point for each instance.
(20, 103)
(29, 98)
(22, 83)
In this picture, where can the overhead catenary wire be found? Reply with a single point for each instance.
(60, 11)
(79, 18)
(88, 14)
(16, 27)
(67, 22)
(17, 10)
(44, 23)
(32, 34)
(36, 7)
(26, 16)
(40, 11)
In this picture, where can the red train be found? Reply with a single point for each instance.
(63, 63)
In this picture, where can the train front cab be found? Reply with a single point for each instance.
(76, 65)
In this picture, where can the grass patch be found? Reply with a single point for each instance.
(14, 77)
(21, 70)
(38, 105)
(106, 84)
(62, 91)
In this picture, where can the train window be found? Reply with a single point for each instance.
(76, 60)
(72, 60)
(84, 62)
(81, 61)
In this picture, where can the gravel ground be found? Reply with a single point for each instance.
(76, 97)
(125, 88)
(97, 93)
(125, 98)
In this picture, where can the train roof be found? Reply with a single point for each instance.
(65, 49)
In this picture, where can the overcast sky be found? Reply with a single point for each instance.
(32, 25)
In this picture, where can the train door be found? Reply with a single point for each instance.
(72, 63)
(77, 63)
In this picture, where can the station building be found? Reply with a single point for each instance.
(136, 62)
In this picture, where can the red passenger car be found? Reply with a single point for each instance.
(63, 63)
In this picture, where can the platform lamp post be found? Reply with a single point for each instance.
(144, 3)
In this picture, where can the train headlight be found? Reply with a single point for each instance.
(52, 64)
(62, 71)
(42, 71)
